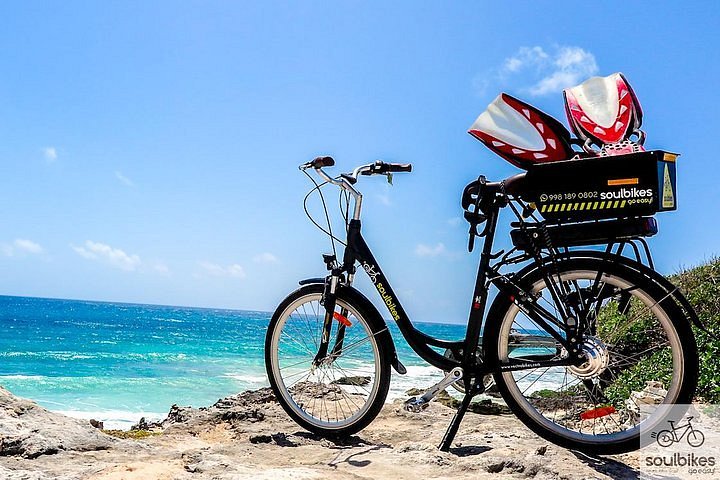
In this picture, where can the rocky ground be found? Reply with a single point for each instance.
(248, 436)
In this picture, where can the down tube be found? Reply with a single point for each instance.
(417, 340)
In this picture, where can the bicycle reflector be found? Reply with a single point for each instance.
(342, 319)
(597, 413)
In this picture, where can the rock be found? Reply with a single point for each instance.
(234, 410)
(97, 424)
(255, 439)
(541, 450)
(251, 415)
(144, 425)
(177, 415)
(247, 398)
(29, 431)
(488, 407)
(355, 381)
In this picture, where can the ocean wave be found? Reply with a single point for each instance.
(169, 320)
(72, 355)
(21, 377)
(250, 379)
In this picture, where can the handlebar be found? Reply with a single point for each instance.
(347, 180)
(377, 168)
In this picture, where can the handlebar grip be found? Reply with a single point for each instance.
(399, 167)
(320, 162)
(380, 167)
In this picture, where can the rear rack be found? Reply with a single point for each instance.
(531, 236)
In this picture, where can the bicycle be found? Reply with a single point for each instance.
(543, 328)
(581, 344)
(695, 438)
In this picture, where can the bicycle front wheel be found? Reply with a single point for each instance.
(639, 352)
(341, 393)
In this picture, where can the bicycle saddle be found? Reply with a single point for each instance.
(521, 134)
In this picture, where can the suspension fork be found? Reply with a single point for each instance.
(329, 299)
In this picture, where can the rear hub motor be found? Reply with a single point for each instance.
(597, 359)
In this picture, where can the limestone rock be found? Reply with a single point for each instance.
(28, 430)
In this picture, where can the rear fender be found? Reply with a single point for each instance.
(671, 290)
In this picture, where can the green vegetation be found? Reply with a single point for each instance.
(132, 434)
(701, 286)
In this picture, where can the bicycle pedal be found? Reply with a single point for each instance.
(415, 405)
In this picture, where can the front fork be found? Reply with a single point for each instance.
(329, 301)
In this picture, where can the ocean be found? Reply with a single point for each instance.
(119, 362)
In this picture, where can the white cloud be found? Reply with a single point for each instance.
(107, 254)
(524, 58)
(161, 268)
(548, 70)
(454, 221)
(21, 245)
(423, 250)
(123, 179)
(50, 154)
(265, 257)
(27, 246)
(571, 66)
(216, 270)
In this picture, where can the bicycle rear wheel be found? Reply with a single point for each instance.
(639, 352)
(346, 390)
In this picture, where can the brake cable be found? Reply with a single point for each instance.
(328, 232)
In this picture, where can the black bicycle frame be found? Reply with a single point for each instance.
(474, 367)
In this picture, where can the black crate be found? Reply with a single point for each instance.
(636, 184)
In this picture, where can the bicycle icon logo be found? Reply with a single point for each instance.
(694, 437)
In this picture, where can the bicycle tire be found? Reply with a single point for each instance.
(698, 438)
(331, 400)
(534, 411)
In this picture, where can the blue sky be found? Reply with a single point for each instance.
(149, 150)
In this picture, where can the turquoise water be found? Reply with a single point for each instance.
(119, 362)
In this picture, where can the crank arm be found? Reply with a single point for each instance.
(418, 404)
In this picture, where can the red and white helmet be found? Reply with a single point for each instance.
(520, 133)
(606, 112)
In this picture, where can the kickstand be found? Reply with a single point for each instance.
(455, 424)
